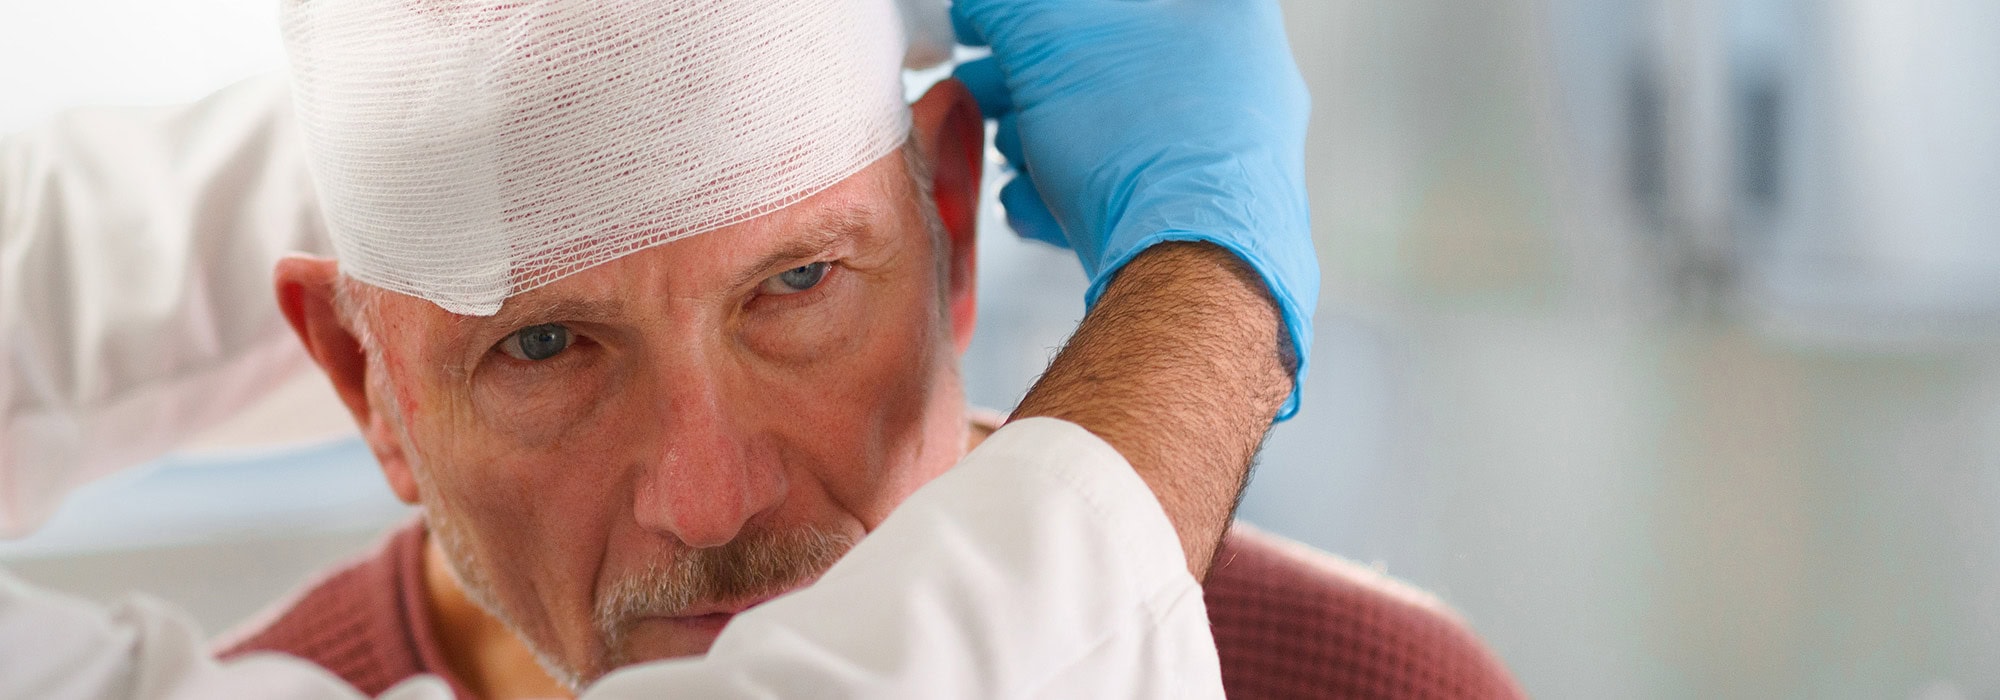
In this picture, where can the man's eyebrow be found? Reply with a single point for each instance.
(524, 313)
(816, 236)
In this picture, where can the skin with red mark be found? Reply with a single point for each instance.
(407, 403)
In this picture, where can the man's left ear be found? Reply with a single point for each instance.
(952, 136)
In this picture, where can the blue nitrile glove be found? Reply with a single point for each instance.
(1144, 121)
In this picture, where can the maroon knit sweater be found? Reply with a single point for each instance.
(1289, 622)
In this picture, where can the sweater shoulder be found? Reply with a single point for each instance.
(350, 621)
(1294, 622)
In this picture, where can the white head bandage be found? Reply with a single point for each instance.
(468, 150)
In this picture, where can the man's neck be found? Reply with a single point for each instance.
(486, 656)
(483, 653)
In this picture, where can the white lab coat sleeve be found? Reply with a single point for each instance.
(1040, 566)
(136, 249)
(53, 647)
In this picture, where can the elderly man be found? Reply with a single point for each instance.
(655, 430)
(617, 462)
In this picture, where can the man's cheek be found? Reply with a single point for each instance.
(840, 318)
(886, 390)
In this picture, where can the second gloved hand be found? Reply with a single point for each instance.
(1140, 122)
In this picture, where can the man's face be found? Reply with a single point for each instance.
(617, 462)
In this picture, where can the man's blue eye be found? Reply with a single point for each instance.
(536, 342)
(795, 280)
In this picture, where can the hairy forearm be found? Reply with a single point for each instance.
(1181, 367)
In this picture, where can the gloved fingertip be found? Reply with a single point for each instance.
(1028, 215)
(987, 84)
(1007, 140)
(963, 27)
(1034, 231)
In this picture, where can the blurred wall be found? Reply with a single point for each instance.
(1573, 421)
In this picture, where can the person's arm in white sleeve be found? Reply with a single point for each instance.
(1040, 567)
(135, 253)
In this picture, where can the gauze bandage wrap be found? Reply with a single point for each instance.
(465, 152)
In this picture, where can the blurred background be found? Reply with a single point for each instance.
(1660, 338)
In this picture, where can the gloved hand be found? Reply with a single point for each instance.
(1138, 122)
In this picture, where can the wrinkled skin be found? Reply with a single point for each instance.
(705, 399)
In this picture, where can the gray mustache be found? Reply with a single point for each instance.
(758, 564)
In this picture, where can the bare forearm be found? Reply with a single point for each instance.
(1181, 367)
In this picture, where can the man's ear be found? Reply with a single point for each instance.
(305, 287)
(952, 136)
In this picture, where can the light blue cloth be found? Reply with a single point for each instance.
(1138, 122)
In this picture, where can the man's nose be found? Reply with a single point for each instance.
(710, 478)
